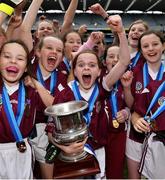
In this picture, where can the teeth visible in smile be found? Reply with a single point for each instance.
(86, 74)
(153, 54)
(51, 58)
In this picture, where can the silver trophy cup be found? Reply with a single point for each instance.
(70, 126)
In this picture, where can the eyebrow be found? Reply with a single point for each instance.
(10, 53)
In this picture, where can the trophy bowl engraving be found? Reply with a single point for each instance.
(70, 126)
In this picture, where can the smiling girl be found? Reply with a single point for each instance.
(117, 114)
(151, 46)
(146, 119)
(17, 112)
(87, 68)
(49, 55)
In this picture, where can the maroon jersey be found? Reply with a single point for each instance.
(121, 105)
(61, 82)
(32, 100)
(64, 67)
(140, 61)
(137, 87)
(144, 101)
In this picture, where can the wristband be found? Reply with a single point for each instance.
(6, 9)
(106, 18)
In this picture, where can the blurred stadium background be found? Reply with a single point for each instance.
(151, 11)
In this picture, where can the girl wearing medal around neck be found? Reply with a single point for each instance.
(49, 54)
(117, 113)
(87, 69)
(148, 118)
(147, 104)
(136, 29)
(151, 46)
(17, 111)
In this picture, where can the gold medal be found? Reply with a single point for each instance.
(115, 123)
(21, 146)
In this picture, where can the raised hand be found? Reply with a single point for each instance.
(82, 29)
(115, 23)
(98, 9)
(15, 21)
(96, 36)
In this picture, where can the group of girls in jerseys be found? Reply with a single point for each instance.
(124, 91)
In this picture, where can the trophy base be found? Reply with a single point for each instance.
(72, 157)
(84, 168)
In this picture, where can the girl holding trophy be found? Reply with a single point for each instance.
(87, 69)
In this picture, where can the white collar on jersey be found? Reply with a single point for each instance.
(11, 89)
(85, 95)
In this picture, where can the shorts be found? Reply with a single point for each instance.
(40, 143)
(153, 160)
(15, 164)
(133, 150)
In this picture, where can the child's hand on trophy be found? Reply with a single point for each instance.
(75, 147)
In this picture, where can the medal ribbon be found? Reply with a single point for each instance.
(134, 60)
(15, 121)
(154, 99)
(113, 100)
(66, 62)
(89, 149)
(53, 79)
(91, 101)
(146, 74)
